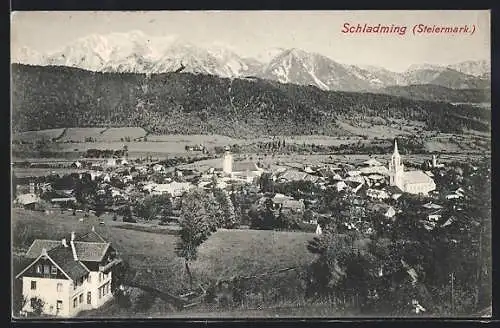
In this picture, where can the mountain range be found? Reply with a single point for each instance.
(135, 52)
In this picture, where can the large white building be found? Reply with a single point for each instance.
(68, 277)
(413, 182)
(243, 171)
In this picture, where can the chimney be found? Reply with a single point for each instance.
(93, 228)
(44, 251)
(73, 250)
(65, 244)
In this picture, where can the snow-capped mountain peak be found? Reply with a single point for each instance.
(135, 51)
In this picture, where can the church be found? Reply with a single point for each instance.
(413, 182)
(243, 171)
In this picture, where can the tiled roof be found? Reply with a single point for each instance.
(244, 166)
(92, 237)
(90, 251)
(416, 177)
(292, 175)
(372, 162)
(89, 247)
(36, 248)
(63, 257)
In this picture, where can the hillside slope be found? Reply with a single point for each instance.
(432, 92)
(184, 103)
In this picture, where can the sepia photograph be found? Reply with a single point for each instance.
(250, 164)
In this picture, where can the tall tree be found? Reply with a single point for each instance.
(197, 222)
(228, 216)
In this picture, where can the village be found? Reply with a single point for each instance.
(367, 196)
(119, 180)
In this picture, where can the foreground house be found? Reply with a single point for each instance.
(68, 277)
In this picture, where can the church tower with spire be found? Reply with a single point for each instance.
(396, 168)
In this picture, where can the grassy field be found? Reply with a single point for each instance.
(226, 253)
(30, 136)
(71, 141)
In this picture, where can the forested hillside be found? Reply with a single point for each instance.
(432, 92)
(184, 103)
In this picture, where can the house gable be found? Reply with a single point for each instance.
(42, 262)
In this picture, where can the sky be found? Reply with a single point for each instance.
(253, 33)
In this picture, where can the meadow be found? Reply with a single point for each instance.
(30, 136)
(72, 142)
(226, 254)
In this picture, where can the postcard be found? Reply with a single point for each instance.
(251, 164)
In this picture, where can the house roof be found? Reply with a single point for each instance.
(89, 247)
(67, 199)
(91, 236)
(382, 170)
(297, 175)
(431, 205)
(90, 251)
(38, 244)
(63, 257)
(372, 162)
(244, 166)
(27, 199)
(416, 177)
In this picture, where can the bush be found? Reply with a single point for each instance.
(123, 300)
(144, 302)
(129, 219)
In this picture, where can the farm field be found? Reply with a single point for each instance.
(30, 136)
(71, 141)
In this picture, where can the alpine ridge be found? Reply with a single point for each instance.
(136, 52)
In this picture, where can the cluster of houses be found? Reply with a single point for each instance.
(123, 179)
(74, 274)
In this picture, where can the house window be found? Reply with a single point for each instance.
(100, 277)
(46, 269)
(88, 278)
(33, 285)
(53, 270)
(59, 305)
(80, 298)
(59, 287)
(38, 268)
(100, 292)
(75, 302)
(89, 297)
(33, 302)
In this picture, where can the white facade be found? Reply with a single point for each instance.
(50, 291)
(70, 277)
(62, 299)
(227, 163)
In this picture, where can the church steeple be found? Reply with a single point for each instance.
(396, 152)
(395, 166)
